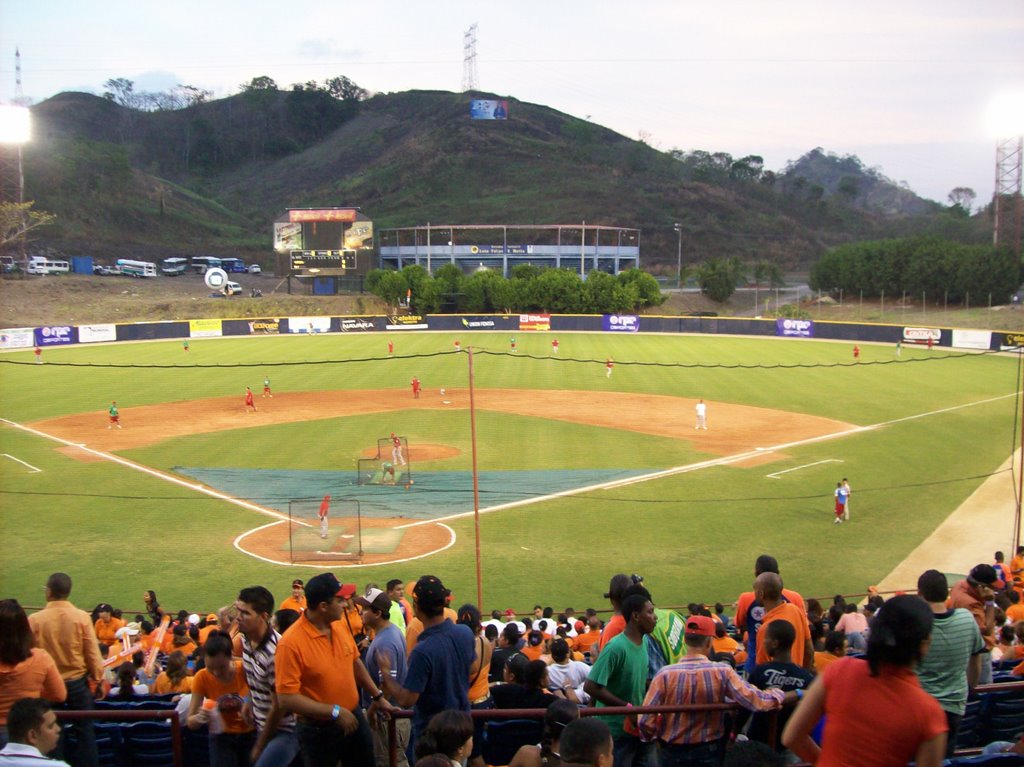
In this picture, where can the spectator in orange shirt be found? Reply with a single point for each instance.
(1015, 610)
(25, 671)
(749, 612)
(181, 642)
(616, 624)
(222, 682)
(835, 648)
(297, 600)
(106, 625)
(174, 678)
(768, 590)
(210, 624)
(318, 677)
(584, 641)
(67, 634)
(723, 644)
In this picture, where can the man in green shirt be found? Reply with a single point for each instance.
(619, 678)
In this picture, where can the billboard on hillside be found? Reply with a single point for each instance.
(483, 109)
(287, 236)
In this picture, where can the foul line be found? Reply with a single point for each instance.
(30, 466)
(337, 565)
(157, 473)
(724, 461)
(778, 474)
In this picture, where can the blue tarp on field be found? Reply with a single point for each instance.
(432, 494)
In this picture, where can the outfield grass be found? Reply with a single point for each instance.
(693, 536)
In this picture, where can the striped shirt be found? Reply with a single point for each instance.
(259, 673)
(696, 680)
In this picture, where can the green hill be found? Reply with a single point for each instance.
(211, 177)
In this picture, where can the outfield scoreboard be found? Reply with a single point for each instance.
(322, 262)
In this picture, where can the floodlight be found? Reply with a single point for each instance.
(15, 124)
(1005, 114)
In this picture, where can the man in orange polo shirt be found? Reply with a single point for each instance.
(768, 591)
(67, 633)
(297, 600)
(319, 674)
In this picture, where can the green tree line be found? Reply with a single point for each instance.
(529, 289)
(916, 265)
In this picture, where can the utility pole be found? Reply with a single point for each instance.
(469, 73)
(679, 255)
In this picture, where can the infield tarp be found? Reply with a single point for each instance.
(433, 494)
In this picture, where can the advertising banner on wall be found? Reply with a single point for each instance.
(535, 322)
(287, 237)
(260, 327)
(921, 335)
(621, 323)
(357, 324)
(406, 322)
(972, 339)
(205, 328)
(91, 334)
(488, 109)
(17, 338)
(56, 335)
(477, 323)
(794, 328)
(309, 325)
(1011, 342)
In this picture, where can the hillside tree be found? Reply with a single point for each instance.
(18, 219)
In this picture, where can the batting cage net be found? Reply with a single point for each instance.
(337, 537)
(389, 467)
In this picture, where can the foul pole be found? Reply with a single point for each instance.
(476, 486)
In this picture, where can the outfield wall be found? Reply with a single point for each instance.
(63, 335)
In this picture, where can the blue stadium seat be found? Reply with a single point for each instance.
(109, 744)
(502, 738)
(148, 744)
(196, 747)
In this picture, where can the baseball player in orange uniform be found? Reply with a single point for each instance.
(325, 507)
(249, 401)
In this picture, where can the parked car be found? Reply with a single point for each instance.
(255, 269)
(232, 289)
(101, 270)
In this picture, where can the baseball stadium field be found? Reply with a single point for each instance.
(580, 474)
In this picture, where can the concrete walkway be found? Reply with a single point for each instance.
(982, 525)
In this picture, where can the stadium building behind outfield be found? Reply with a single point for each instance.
(473, 247)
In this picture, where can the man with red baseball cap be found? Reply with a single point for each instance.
(977, 593)
(697, 737)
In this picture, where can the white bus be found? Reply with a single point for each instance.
(136, 268)
(41, 265)
(201, 263)
(172, 267)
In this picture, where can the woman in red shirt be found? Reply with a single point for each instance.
(877, 714)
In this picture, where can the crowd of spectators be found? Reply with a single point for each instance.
(315, 678)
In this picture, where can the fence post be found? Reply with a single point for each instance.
(882, 316)
(924, 304)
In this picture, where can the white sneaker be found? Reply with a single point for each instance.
(837, 521)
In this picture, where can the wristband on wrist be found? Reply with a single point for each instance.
(799, 694)
(335, 712)
(378, 696)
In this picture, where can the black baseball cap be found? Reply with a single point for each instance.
(322, 588)
(430, 592)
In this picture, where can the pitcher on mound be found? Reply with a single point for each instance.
(396, 450)
(325, 507)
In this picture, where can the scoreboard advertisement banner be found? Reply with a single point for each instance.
(359, 235)
(315, 215)
(287, 237)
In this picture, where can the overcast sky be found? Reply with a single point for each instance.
(903, 85)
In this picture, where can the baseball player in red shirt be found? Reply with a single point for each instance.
(249, 401)
(325, 507)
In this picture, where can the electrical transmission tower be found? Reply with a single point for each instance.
(1007, 198)
(469, 73)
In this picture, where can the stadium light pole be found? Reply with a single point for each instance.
(679, 255)
(476, 485)
(15, 132)
(583, 250)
